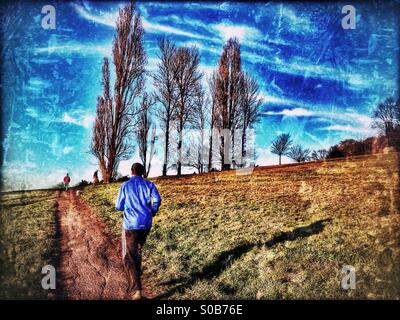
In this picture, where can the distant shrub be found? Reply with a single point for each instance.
(371, 145)
(318, 155)
(122, 179)
(83, 183)
(58, 186)
(335, 152)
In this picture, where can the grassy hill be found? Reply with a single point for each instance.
(27, 242)
(278, 233)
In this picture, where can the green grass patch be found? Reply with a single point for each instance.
(215, 235)
(27, 234)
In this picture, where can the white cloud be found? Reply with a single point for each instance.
(88, 120)
(349, 128)
(160, 28)
(85, 120)
(76, 47)
(269, 99)
(297, 112)
(227, 30)
(67, 150)
(109, 19)
(68, 119)
(342, 121)
(32, 112)
(296, 21)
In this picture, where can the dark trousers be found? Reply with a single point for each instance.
(132, 243)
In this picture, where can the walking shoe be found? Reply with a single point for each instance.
(137, 295)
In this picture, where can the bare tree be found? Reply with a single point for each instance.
(193, 155)
(228, 84)
(198, 120)
(165, 85)
(250, 110)
(319, 154)
(386, 116)
(281, 145)
(298, 154)
(212, 93)
(146, 143)
(188, 83)
(115, 112)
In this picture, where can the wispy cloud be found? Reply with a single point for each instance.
(110, 18)
(228, 30)
(67, 150)
(76, 48)
(296, 21)
(160, 28)
(342, 121)
(297, 112)
(84, 120)
(349, 128)
(107, 19)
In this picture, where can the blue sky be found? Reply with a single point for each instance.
(318, 81)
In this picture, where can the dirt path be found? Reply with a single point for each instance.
(90, 263)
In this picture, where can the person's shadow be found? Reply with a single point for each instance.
(226, 258)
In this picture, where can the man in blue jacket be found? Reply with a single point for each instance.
(140, 200)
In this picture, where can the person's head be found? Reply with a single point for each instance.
(67, 174)
(137, 169)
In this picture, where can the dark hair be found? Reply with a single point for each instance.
(137, 169)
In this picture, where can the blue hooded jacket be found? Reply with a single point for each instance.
(139, 199)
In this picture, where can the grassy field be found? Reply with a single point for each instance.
(280, 233)
(27, 233)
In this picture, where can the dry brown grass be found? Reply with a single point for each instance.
(223, 235)
(27, 239)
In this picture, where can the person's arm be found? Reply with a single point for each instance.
(156, 199)
(120, 202)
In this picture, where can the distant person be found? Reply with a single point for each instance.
(140, 200)
(95, 178)
(66, 180)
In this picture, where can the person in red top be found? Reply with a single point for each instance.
(95, 178)
(67, 180)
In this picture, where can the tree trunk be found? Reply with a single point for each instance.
(202, 150)
(164, 170)
(243, 160)
(222, 153)
(210, 151)
(179, 168)
(233, 161)
(225, 166)
(211, 140)
(109, 172)
(103, 169)
(279, 159)
(145, 161)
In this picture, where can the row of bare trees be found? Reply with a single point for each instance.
(386, 118)
(283, 145)
(178, 102)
